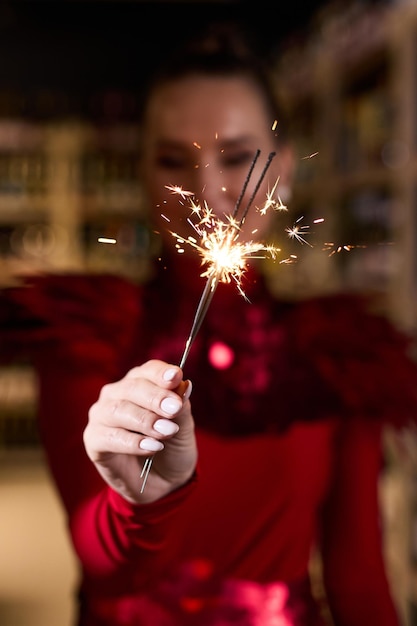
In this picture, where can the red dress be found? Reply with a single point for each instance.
(289, 401)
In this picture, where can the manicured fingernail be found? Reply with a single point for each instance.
(151, 444)
(165, 427)
(169, 374)
(188, 390)
(171, 405)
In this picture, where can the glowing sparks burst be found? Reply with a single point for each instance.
(222, 254)
(224, 257)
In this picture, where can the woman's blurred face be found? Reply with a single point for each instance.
(201, 135)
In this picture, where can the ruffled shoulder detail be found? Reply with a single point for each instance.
(72, 314)
(364, 360)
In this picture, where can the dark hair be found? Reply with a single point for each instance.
(219, 49)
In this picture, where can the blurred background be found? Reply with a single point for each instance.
(71, 74)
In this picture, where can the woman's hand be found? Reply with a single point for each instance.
(146, 413)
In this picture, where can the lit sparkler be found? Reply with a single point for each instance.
(222, 253)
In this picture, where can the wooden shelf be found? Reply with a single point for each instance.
(351, 89)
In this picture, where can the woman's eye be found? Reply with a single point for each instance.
(238, 159)
(175, 160)
(170, 161)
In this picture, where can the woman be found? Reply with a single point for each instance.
(276, 454)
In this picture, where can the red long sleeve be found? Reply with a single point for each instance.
(352, 531)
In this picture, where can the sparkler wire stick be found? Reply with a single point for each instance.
(211, 286)
(245, 184)
(202, 309)
(258, 184)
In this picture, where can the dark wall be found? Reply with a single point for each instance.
(87, 44)
(65, 56)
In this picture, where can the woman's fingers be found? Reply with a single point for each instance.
(143, 392)
(103, 442)
(135, 413)
(130, 416)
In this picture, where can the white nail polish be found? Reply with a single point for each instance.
(165, 427)
(151, 444)
(169, 374)
(171, 405)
